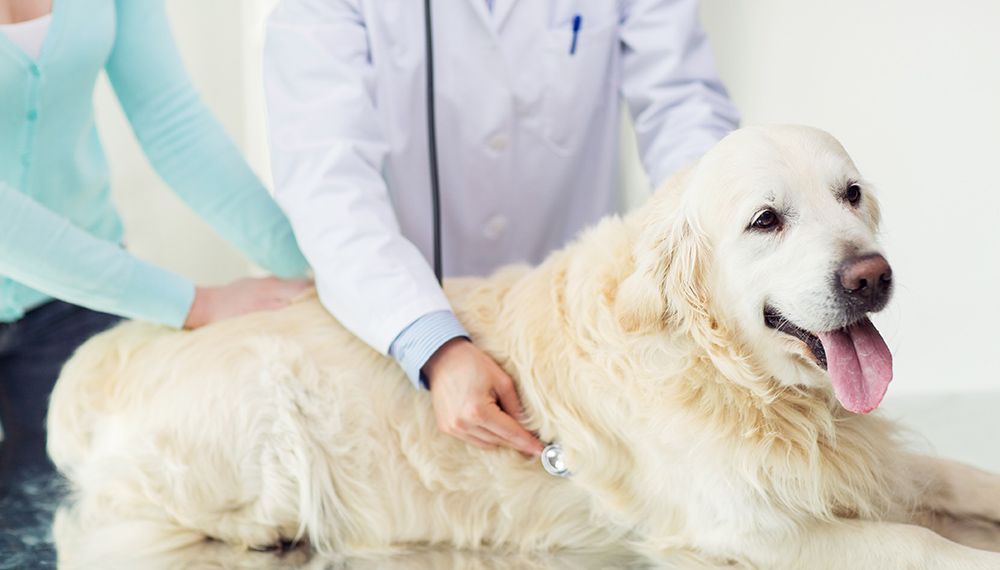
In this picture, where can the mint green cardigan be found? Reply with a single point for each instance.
(60, 235)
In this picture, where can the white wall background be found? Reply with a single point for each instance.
(910, 87)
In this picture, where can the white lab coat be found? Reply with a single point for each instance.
(527, 133)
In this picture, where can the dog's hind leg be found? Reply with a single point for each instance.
(87, 536)
(84, 542)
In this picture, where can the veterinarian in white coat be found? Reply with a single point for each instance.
(528, 97)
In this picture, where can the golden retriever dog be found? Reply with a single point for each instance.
(707, 363)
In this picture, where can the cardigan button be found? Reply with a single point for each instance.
(35, 71)
(32, 115)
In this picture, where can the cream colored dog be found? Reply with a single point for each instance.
(706, 362)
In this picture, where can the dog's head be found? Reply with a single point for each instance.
(767, 247)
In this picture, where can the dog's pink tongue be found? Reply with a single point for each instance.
(860, 365)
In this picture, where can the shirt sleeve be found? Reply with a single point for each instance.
(677, 100)
(329, 151)
(187, 146)
(45, 251)
(419, 341)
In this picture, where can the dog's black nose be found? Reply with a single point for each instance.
(866, 281)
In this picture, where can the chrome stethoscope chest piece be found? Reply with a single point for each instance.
(554, 460)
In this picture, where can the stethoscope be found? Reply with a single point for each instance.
(553, 457)
(432, 141)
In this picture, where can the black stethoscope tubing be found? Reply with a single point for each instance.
(432, 141)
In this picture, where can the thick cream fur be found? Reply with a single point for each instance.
(691, 428)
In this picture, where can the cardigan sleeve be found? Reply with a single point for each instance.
(45, 251)
(187, 146)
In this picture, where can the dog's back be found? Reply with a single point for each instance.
(279, 426)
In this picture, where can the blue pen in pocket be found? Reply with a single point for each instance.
(577, 20)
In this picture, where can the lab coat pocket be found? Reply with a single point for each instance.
(581, 79)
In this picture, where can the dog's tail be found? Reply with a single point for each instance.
(88, 382)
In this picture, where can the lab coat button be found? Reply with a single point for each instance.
(499, 143)
(496, 227)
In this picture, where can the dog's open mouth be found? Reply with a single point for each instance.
(856, 356)
(778, 322)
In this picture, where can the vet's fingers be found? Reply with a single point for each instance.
(510, 433)
(487, 441)
(520, 438)
(503, 388)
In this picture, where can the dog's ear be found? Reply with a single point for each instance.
(639, 302)
(667, 276)
(685, 283)
(667, 258)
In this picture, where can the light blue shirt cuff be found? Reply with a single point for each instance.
(421, 339)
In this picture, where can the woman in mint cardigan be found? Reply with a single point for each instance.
(60, 236)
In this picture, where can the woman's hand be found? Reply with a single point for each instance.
(242, 297)
(475, 400)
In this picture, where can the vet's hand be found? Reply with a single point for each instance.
(241, 297)
(475, 400)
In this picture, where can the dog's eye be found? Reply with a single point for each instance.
(853, 194)
(768, 220)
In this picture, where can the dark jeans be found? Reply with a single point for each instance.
(32, 352)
